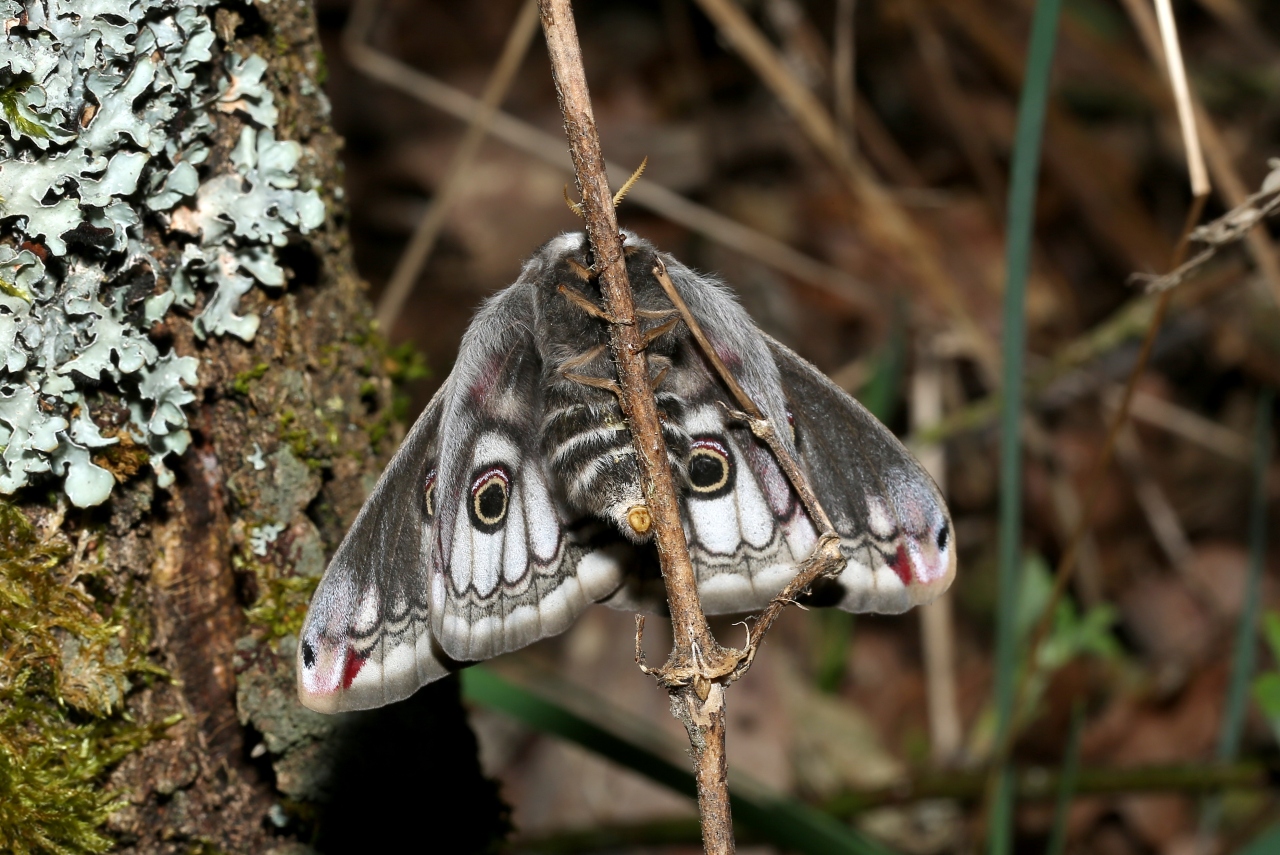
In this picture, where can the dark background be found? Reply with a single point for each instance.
(1158, 592)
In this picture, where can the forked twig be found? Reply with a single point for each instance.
(1232, 226)
(825, 558)
(760, 426)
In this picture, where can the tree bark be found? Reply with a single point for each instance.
(210, 576)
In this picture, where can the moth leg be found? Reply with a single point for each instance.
(579, 269)
(584, 304)
(654, 333)
(581, 359)
(594, 382)
(663, 365)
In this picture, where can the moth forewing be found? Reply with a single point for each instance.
(515, 500)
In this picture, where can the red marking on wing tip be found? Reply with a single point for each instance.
(354, 663)
(901, 565)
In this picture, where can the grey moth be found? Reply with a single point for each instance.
(504, 513)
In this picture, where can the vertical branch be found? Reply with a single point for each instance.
(698, 703)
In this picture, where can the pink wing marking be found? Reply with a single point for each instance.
(354, 663)
(901, 564)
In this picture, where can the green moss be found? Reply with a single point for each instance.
(379, 429)
(67, 663)
(405, 363)
(322, 68)
(13, 112)
(240, 385)
(281, 604)
(304, 444)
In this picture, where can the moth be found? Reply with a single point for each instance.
(510, 506)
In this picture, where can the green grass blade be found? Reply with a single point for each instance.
(1266, 843)
(1032, 106)
(1244, 658)
(1067, 784)
(1242, 667)
(784, 822)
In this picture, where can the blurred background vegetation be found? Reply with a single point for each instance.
(846, 166)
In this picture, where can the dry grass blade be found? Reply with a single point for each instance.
(1196, 171)
(1067, 563)
(937, 625)
(547, 148)
(883, 217)
(424, 236)
(1226, 176)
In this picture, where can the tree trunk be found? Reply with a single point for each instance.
(177, 290)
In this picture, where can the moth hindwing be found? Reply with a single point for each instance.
(514, 501)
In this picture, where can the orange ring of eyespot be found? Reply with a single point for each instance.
(716, 451)
(478, 488)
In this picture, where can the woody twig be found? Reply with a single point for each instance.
(697, 697)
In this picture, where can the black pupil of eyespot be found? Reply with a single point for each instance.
(942, 537)
(492, 501)
(308, 654)
(706, 470)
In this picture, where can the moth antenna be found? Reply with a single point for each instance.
(628, 251)
(576, 207)
(581, 359)
(659, 331)
(631, 182)
(584, 304)
(579, 269)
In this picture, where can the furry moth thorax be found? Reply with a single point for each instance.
(515, 501)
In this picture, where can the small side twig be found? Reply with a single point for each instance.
(826, 558)
(760, 426)
(1231, 227)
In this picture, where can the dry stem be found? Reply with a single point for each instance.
(697, 703)
(698, 670)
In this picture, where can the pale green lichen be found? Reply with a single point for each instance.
(106, 109)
